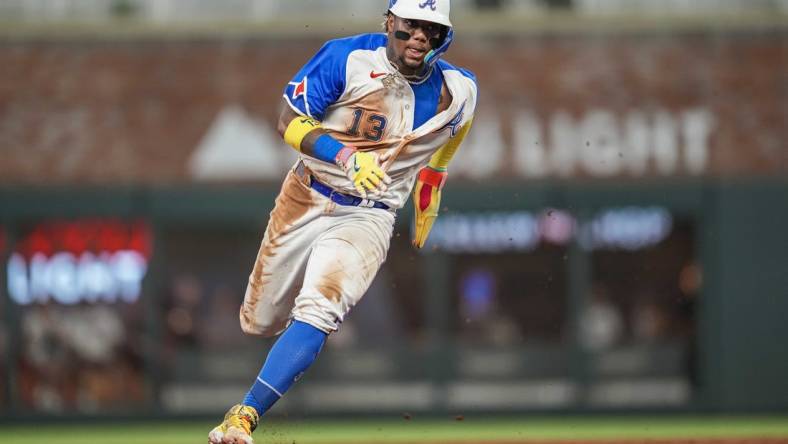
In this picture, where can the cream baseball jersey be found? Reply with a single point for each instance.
(361, 99)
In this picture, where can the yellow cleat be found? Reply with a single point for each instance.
(237, 427)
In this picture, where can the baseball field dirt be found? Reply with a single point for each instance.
(741, 440)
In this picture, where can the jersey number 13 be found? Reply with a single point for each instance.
(373, 125)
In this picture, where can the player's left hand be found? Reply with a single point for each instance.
(427, 200)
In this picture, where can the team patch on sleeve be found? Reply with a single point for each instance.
(298, 97)
(300, 88)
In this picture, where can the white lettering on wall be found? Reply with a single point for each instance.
(485, 232)
(636, 143)
(482, 151)
(563, 152)
(696, 125)
(665, 143)
(626, 228)
(601, 143)
(70, 279)
(530, 157)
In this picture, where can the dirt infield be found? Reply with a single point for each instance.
(754, 440)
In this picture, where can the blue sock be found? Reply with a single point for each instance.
(293, 353)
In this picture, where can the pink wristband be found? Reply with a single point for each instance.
(343, 155)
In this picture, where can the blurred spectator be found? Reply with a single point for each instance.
(482, 317)
(96, 334)
(47, 373)
(649, 320)
(76, 358)
(181, 311)
(220, 329)
(601, 324)
(377, 319)
(93, 332)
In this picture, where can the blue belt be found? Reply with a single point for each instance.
(342, 198)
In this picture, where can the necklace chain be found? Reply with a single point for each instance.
(413, 78)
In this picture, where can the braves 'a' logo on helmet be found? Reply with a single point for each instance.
(430, 3)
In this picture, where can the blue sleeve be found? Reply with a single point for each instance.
(320, 82)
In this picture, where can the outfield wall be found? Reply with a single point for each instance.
(414, 344)
(612, 236)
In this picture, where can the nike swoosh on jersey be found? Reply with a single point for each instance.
(375, 75)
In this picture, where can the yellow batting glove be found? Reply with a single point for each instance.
(427, 201)
(363, 169)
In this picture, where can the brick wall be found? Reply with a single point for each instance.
(135, 111)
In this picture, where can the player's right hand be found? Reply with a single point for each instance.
(364, 170)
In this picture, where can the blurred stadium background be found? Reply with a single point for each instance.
(613, 240)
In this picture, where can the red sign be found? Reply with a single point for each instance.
(86, 235)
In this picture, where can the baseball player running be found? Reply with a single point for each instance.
(371, 115)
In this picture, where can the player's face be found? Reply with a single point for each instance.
(409, 53)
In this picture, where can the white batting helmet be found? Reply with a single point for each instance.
(436, 11)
